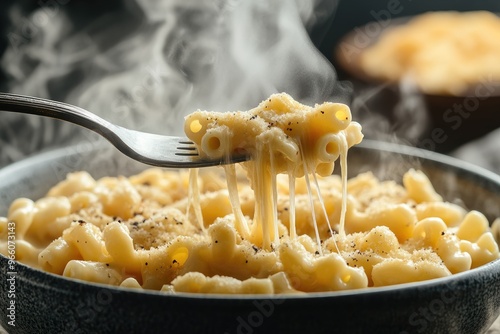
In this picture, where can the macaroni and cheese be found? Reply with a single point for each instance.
(443, 52)
(277, 224)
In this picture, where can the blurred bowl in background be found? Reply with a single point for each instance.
(448, 120)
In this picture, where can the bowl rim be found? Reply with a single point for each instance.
(459, 166)
(452, 280)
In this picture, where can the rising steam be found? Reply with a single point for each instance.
(149, 64)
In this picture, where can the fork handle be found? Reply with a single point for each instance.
(59, 110)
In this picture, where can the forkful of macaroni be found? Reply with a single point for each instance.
(282, 136)
(152, 149)
(279, 136)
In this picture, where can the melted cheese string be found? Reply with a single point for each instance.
(264, 216)
(232, 188)
(343, 175)
(291, 204)
(323, 207)
(274, 189)
(194, 197)
(311, 201)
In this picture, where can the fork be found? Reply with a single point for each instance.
(152, 149)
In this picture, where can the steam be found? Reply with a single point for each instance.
(393, 114)
(150, 64)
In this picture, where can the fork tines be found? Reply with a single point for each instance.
(187, 148)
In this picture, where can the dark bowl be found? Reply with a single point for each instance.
(446, 121)
(468, 302)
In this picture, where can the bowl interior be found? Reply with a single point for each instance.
(388, 309)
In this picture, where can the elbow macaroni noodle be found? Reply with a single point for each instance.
(288, 227)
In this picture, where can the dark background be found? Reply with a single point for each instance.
(349, 14)
(355, 13)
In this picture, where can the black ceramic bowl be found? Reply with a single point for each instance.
(44, 303)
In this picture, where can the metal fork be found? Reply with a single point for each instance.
(149, 148)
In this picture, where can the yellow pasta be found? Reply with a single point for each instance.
(283, 126)
(450, 213)
(56, 256)
(88, 239)
(75, 183)
(419, 187)
(278, 224)
(407, 271)
(96, 272)
(22, 211)
(120, 247)
(473, 226)
(197, 282)
(54, 210)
